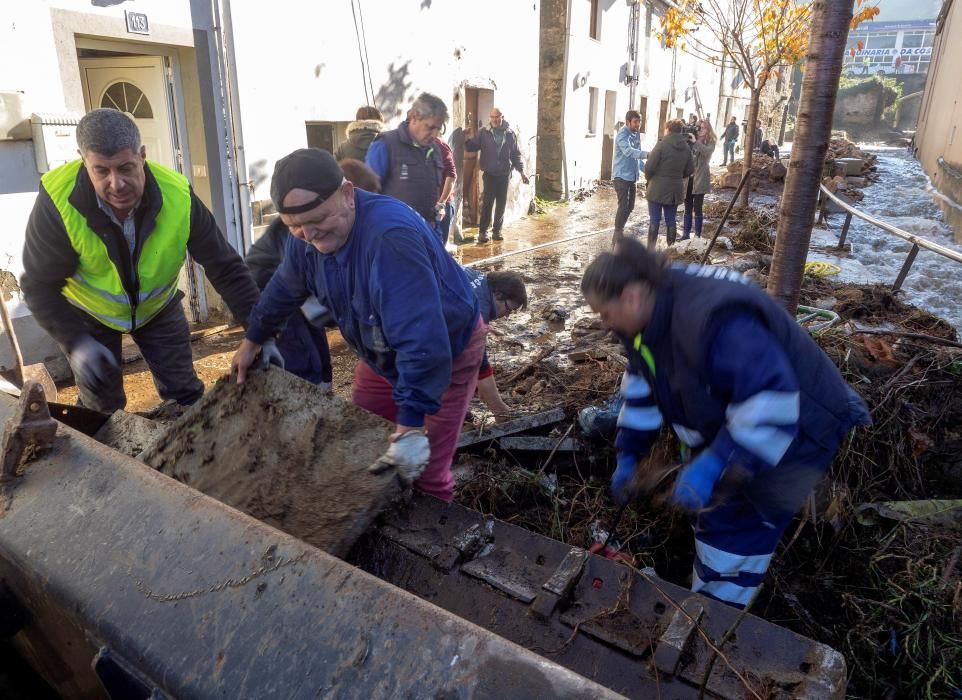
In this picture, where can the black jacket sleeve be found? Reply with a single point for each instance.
(267, 252)
(49, 260)
(515, 155)
(223, 266)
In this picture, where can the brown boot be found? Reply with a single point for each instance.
(652, 237)
(672, 233)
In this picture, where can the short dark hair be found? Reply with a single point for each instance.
(608, 274)
(107, 132)
(509, 286)
(632, 114)
(368, 112)
(360, 174)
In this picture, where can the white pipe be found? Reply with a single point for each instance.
(243, 202)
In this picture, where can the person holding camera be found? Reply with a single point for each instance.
(699, 184)
(668, 166)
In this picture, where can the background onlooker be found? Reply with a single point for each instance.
(730, 138)
(499, 156)
(367, 124)
(408, 159)
(699, 184)
(668, 166)
(625, 169)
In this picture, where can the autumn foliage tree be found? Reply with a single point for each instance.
(759, 38)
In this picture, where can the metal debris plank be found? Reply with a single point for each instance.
(511, 427)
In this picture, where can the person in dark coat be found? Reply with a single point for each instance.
(410, 161)
(303, 342)
(367, 124)
(666, 171)
(499, 156)
(746, 390)
(729, 139)
(500, 293)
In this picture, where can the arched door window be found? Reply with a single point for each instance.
(129, 98)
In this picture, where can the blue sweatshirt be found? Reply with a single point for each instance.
(629, 157)
(400, 301)
(748, 366)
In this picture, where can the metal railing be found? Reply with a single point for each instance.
(917, 241)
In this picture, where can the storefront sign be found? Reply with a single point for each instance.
(918, 51)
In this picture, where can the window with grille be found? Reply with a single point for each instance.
(129, 98)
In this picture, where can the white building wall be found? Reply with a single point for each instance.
(663, 75)
(299, 63)
(38, 59)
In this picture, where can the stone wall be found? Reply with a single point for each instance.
(551, 89)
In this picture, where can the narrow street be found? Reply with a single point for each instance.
(739, 476)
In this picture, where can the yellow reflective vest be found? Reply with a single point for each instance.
(96, 287)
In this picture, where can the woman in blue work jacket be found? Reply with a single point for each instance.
(760, 405)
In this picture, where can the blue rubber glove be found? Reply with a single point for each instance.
(696, 482)
(627, 464)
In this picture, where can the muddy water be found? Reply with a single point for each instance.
(904, 198)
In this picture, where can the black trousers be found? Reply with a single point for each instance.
(693, 202)
(165, 344)
(626, 201)
(496, 195)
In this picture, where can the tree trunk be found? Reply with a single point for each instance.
(753, 108)
(813, 129)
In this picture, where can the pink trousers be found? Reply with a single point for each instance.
(372, 392)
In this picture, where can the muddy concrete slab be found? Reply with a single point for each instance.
(284, 452)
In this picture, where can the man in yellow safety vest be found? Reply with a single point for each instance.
(104, 246)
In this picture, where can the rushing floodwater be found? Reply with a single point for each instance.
(904, 198)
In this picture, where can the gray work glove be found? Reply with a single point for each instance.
(408, 452)
(270, 355)
(93, 365)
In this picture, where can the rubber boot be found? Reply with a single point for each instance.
(699, 220)
(619, 235)
(482, 237)
(672, 233)
(652, 237)
(687, 227)
(496, 236)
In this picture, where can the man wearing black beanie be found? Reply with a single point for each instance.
(400, 301)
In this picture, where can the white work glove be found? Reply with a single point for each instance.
(93, 365)
(408, 452)
(270, 355)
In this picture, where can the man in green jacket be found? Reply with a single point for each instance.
(104, 246)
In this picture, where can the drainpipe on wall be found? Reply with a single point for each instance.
(564, 102)
(634, 33)
(243, 182)
(218, 138)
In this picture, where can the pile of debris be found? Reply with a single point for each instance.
(848, 169)
(765, 169)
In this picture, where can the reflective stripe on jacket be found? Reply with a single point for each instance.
(97, 286)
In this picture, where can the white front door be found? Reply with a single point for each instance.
(135, 85)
